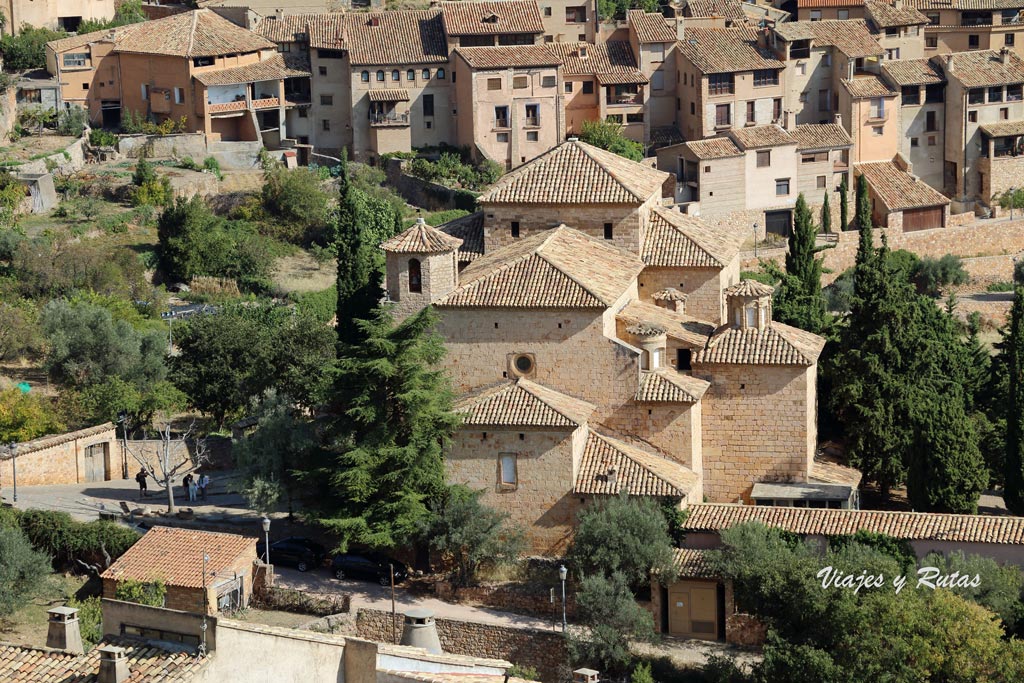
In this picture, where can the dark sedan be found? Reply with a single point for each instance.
(367, 565)
(301, 553)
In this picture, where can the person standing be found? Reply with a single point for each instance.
(141, 478)
(186, 485)
(204, 482)
(192, 486)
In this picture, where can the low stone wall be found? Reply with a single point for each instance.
(510, 597)
(424, 193)
(301, 602)
(162, 146)
(541, 649)
(70, 160)
(8, 112)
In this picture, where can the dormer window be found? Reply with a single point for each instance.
(491, 18)
(374, 21)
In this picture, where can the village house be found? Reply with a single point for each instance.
(203, 571)
(653, 41)
(922, 116)
(66, 15)
(222, 80)
(711, 13)
(85, 455)
(600, 341)
(569, 21)
(963, 25)
(487, 23)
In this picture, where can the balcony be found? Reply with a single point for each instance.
(391, 120)
(624, 99)
(532, 122)
(266, 103)
(223, 107)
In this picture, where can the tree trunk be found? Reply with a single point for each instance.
(170, 496)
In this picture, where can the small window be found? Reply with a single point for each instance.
(507, 466)
(327, 100)
(364, 76)
(913, 142)
(547, 11)
(325, 124)
(396, 75)
(428, 105)
(932, 42)
(179, 96)
(494, 84)
(568, 86)
(548, 81)
(515, 228)
(684, 358)
(1004, 113)
(1008, 39)
(202, 61)
(502, 137)
(380, 75)
(73, 59)
(532, 115)
(765, 77)
(303, 113)
(415, 276)
(410, 75)
(588, 87)
(501, 117)
(1014, 93)
(520, 82)
(609, 231)
(440, 74)
(972, 42)
(815, 15)
(145, 91)
(723, 115)
(782, 187)
(877, 130)
(976, 96)
(972, 116)
(425, 74)
(764, 159)
(750, 112)
(532, 136)
(843, 14)
(821, 182)
(931, 140)
(693, 108)
(322, 70)
(85, 86)
(751, 316)
(995, 93)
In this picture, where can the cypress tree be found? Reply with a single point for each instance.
(358, 281)
(826, 216)
(1014, 350)
(863, 204)
(798, 298)
(800, 261)
(844, 204)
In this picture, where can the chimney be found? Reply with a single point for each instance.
(573, 139)
(279, 14)
(584, 676)
(897, 4)
(421, 631)
(113, 665)
(583, 51)
(63, 632)
(670, 298)
(613, 475)
(1004, 54)
(374, 20)
(789, 119)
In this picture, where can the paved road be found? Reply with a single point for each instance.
(372, 596)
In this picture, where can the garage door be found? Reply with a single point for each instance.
(778, 222)
(922, 219)
(693, 610)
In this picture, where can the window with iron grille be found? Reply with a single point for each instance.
(765, 77)
(720, 84)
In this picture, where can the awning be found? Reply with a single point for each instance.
(1003, 129)
(622, 78)
(389, 95)
(273, 69)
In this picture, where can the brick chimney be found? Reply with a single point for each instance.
(113, 665)
(63, 632)
(584, 676)
(670, 298)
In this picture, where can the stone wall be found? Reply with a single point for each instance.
(163, 146)
(423, 193)
(703, 287)
(512, 597)
(61, 458)
(544, 650)
(8, 111)
(70, 160)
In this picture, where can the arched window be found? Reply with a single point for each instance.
(365, 77)
(410, 75)
(396, 75)
(426, 74)
(440, 74)
(415, 276)
(380, 75)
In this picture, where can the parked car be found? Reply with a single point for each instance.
(294, 551)
(367, 565)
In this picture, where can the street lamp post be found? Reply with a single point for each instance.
(266, 536)
(755, 240)
(13, 450)
(122, 419)
(562, 573)
(169, 317)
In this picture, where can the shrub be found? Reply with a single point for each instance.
(63, 539)
(321, 305)
(213, 166)
(72, 121)
(90, 620)
(102, 138)
(22, 570)
(151, 593)
(524, 671)
(113, 225)
(188, 164)
(151, 189)
(608, 135)
(933, 274)
(1002, 286)
(297, 200)
(1018, 272)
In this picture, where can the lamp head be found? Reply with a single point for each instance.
(562, 572)
(266, 524)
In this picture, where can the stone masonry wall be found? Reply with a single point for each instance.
(529, 647)
(671, 428)
(62, 463)
(756, 423)
(703, 287)
(542, 501)
(590, 219)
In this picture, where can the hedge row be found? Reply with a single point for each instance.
(66, 540)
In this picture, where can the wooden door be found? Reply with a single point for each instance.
(96, 462)
(922, 219)
(693, 610)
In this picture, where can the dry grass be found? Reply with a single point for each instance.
(300, 272)
(27, 626)
(34, 147)
(272, 617)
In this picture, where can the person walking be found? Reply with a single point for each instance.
(204, 482)
(186, 484)
(141, 478)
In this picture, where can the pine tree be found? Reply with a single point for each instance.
(358, 282)
(863, 204)
(826, 216)
(1014, 350)
(844, 205)
(388, 441)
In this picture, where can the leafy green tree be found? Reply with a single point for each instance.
(642, 674)
(932, 274)
(108, 399)
(386, 461)
(27, 50)
(1014, 350)
(298, 204)
(612, 619)
(826, 215)
(151, 593)
(90, 619)
(799, 300)
(87, 345)
(23, 570)
(863, 204)
(20, 334)
(624, 535)
(24, 417)
(469, 534)
(609, 10)
(72, 121)
(608, 135)
(128, 12)
(1000, 588)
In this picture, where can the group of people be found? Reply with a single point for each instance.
(189, 483)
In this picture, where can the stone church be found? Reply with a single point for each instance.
(602, 341)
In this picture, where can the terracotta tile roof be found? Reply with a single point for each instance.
(289, 29)
(754, 137)
(982, 68)
(724, 50)
(268, 70)
(687, 329)
(146, 663)
(45, 442)
(678, 240)
(669, 294)
(665, 385)
(201, 33)
(777, 344)
(508, 56)
(388, 38)
(489, 18)
(914, 526)
(666, 135)
(637, 471)
(83, 39)
(828, 471)
(750, 289)
(650, 27)
(692, 563)
(849, 36)
(714, 148)
(728, 9)
(559, 268)
(964, 4)
(577, 173)
(821, 136)
(898, 189)
(427, 677)
(1001, 128)
(912, 72)
(469, 229)
(868, 85)
(829, 3)
(522, 403)
(886, 15)
(611, 61)
(388, 95)
(421, 239)
(175, 555)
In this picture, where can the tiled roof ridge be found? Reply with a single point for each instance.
(687, 231)
(560, 267)
(192, 32)
(588, 149)
(626, 449)
(52, 440)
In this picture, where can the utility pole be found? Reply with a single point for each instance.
(394, 627)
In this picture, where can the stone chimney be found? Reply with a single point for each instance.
(279, 14)
(789, 121)
(421, 631)
(1004, 54)
(63, 632)
(670, 298)
(613, 475)
(897, 4)
(584, 676)
(113, 665)
(652, 340)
